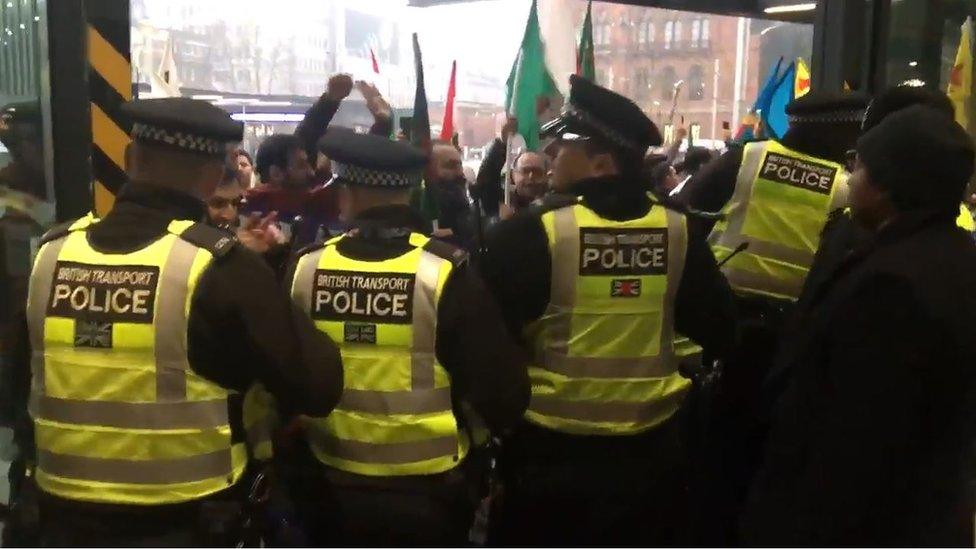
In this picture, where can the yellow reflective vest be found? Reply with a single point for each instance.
(119, 415)
(782, 201)
(395, 416)
(604, 353)
(965, 219)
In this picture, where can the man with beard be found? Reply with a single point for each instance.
(446, 186)
(530, 177)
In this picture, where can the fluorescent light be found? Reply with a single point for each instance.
(913, 64)
(273, 103)
(791, 8)
(268, 117)
(914, 83)
(205, 97)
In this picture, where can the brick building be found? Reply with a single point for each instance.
(643, 52)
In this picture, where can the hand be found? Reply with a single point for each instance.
(505, 211)
(510, 128)
(443, 233)
(260, 234)
(339, 87)
(374, 100)
(680, 133)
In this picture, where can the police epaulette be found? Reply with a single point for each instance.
(60, 230)
(311, 248)
(552, 202)
(217, 241)
(443, 250)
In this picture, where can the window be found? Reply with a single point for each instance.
(641, 82)
(695, 33)
(677, 34)
(696, 83)
(668, 34)
(666, 82)
(704, 33)
(641, 33)
(650, 32)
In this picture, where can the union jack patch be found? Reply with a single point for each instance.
(625, 287)
(93, 334)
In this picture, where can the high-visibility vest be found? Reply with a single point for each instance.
(604, 357)
(119, 415)
(395, 416)
(261, 418)
(965, 219)
(782, 201)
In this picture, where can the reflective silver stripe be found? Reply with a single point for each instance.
(677, 250)
(207, 414)
(170, 323)
(303, 284)
(772, 250)
(424, 321)
(417, 401)
(749, 282)
(589, 410)
(565, 267)
(738, 206)
(610, 368)
(161, 471)
(387, 452)
(41, 281)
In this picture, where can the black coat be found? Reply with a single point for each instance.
(870, 444)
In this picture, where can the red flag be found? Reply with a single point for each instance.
(447, 129)
(376, 65)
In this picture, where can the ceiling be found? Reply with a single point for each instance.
(744, 8)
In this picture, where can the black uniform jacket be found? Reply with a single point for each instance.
(871, 442)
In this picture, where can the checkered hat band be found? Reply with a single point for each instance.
(368, 177)
(573, 111)
(180, 140)
(848, 117)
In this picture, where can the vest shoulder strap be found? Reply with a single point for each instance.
(447, 252)
(212, 239)
(62, 230)
(554, 202)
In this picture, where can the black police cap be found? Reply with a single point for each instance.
(182, 123)
(596, 112)
(372, 161)
(823, 107)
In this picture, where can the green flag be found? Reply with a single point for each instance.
(585, 62)
(531, 89)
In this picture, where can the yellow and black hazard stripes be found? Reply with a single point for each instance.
(110, 85)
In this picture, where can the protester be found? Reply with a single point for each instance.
(872, 443)
(245, 169)
(294, 174)
(446, 188)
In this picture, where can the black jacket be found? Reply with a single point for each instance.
(518, 269)
(870, 444)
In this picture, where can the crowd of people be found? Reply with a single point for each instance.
(345, 340)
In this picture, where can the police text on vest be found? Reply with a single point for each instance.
(382, 298)
(105, 293)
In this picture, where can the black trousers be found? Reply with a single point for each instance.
(207, 524)
(342, 509)
(564, 490)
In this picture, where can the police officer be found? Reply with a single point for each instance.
(597, 286)
(145, 329)
(420, 342)
(775, 196)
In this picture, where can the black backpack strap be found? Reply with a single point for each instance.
(446, 251)
(216, 241)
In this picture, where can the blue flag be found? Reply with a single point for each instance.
(774, 117)
(766, 93)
